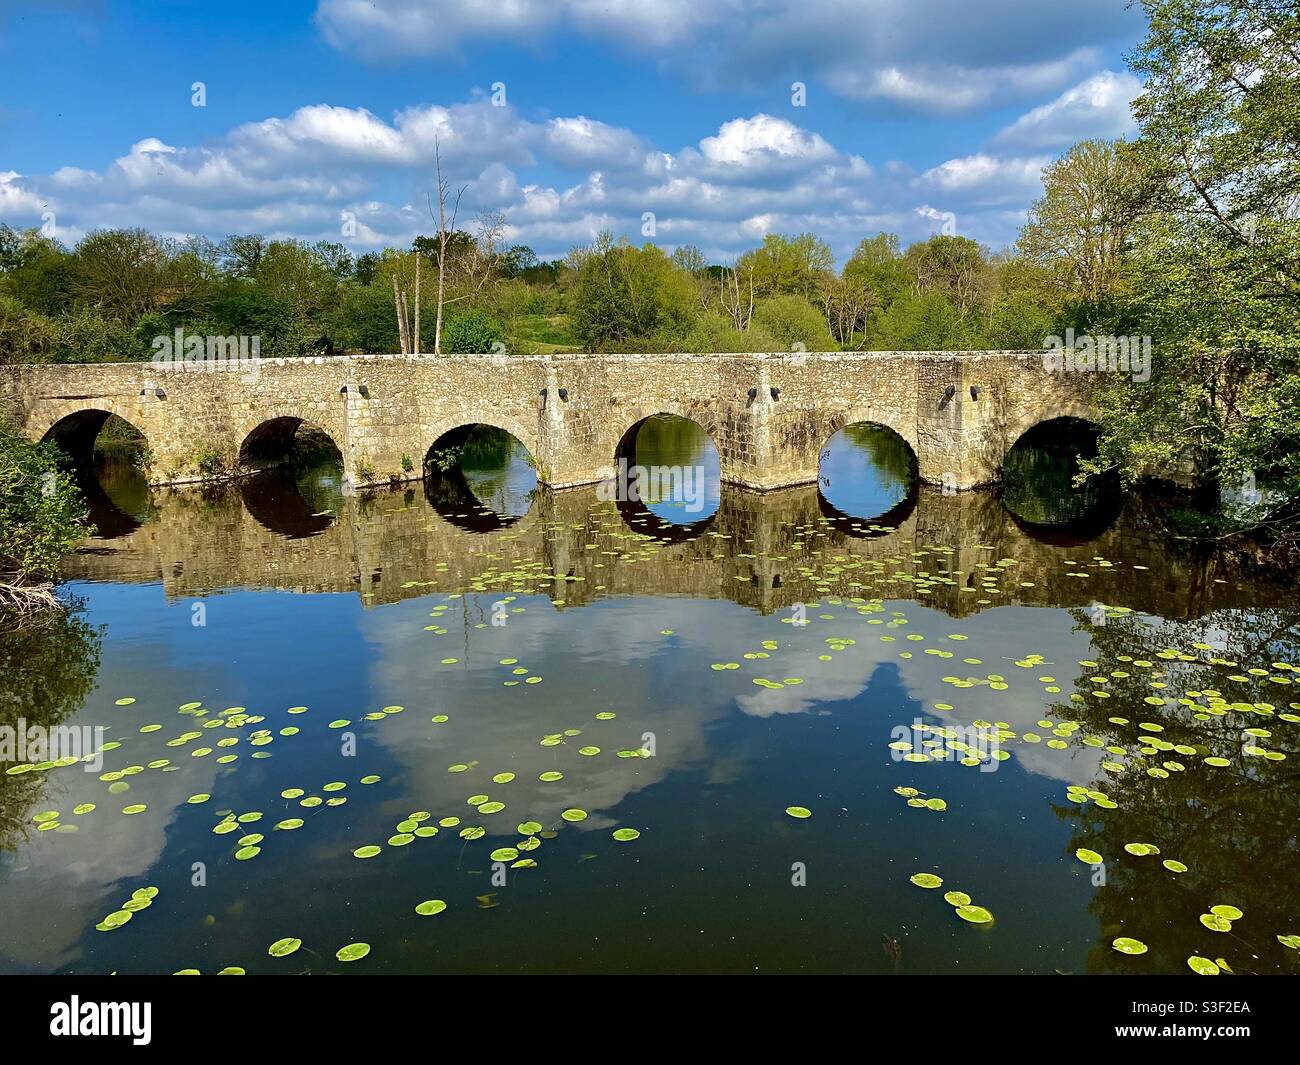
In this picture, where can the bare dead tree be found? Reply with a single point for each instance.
(399, 307)
(417, 301)
(733, 302)
(444, 236)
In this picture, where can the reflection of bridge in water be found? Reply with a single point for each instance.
(766, 551)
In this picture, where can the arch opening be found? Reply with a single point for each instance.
(110, 459)
(480, 476)
(867, 471)
(293, 476)
(1039, 478)
(669, 467)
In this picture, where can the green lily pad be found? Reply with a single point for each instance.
(353, 952)
(283, 947)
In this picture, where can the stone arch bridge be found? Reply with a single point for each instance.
(768, 415)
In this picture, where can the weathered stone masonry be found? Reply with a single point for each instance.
(769, 415)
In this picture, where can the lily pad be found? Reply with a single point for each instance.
(353, 952)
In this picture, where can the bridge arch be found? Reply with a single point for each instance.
(867, 470)
(76, 429)
(272, 439)
(1038, 473)
(477, 480)
(1076, 410)
(671, 492)
(871, 415)
(706, 419)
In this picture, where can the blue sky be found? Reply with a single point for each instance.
(318, 113)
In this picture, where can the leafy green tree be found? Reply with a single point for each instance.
(1079, 228)
(952, 266)
(26, 335)
(625, 295)
(363, 319)
(715, 332)
(35, 270)
(1216, 250)
(120, 272)
(41, 513)
(919, 322)
(794, 322)
(877, 263)
(788, 265)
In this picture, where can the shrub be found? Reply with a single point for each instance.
(793, 320)
(41, 512)
(472, 332)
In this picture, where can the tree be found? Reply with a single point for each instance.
(952, 266)
(626, 296)
(518, 260)
(878, 264)
(1079, 228)
(445, 227)
(1216, 256)
(793, 321)
(120, 271)
(240, 255)
(41, 517)
(788, 265)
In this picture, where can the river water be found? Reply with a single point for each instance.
(283, 675)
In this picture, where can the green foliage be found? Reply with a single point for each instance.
(791, 321)
(41, 512)
(1214, 272)
(715, 332)
(26, 335)
(471, 332)
(625, 296)
(208, 459)
(919, 322)
(364, 320)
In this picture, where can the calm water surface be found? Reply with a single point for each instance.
(1055, 680)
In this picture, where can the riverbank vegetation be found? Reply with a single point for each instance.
(41, 519)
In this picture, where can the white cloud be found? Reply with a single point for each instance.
(15, 200)
(1097, 107)
(558, 182)
(583, 141)
(944, 55)
(983, 180)
(952, 88)
(761, 142)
